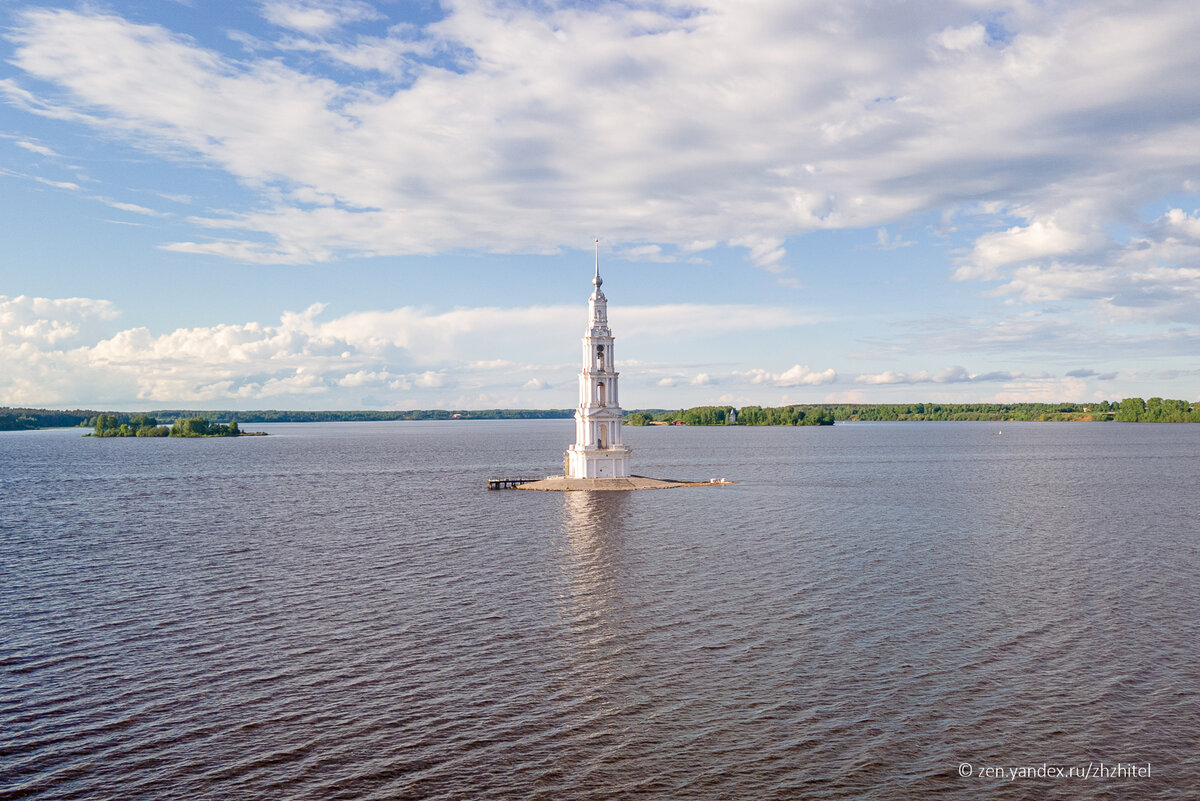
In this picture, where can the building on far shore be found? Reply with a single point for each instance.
(598, 452)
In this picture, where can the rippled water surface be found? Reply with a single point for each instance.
(344, 611)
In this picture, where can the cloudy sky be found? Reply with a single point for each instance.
(391, 204)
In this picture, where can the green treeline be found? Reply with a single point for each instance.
(798, 415)
(1154, 410)
(22, 419)
(280, 416)
(1129, 410)
(109, 425)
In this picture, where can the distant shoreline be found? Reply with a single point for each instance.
(1133, 410)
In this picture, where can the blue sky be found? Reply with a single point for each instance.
(343, 204)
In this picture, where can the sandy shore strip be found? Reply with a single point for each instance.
(563, 484)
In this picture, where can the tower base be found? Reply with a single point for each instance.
(597, 462)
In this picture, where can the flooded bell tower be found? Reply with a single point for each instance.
(598, 452)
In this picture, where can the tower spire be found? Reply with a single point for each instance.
(597, 281)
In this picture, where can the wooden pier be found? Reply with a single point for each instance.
(509, 483)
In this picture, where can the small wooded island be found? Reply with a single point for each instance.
(107, 425)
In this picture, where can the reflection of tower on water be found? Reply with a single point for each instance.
(592, 518)
(593, 529)
(595, 605)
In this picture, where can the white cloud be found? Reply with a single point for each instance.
(1153, 277)
(47, 322)
(682, 318)
(949, 375)
(70, 185)
(765, 252)
(645, 253)
(795, 376)
(721, 123)
(365, 378)
(133, 207)
(34, 147)
(316, 17)
(968, 37)
(493, 364)
(57, 351)
(1045, 390)
(886, 242)
(429, 379)
(1041, 137)
(1040, 239)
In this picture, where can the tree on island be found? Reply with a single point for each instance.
(199, 427)
(108, 425)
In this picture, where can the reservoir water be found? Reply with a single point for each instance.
(880, 611)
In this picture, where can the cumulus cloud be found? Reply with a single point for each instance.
(1154, 277)
(49, 322)
(795, 376)
(59, 351)
(1044, 237)
(715, 122)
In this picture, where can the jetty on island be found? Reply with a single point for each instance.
(598, 460)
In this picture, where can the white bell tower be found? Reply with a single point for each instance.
(598, 452)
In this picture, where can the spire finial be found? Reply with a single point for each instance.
(597, 281)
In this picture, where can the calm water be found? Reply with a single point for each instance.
(343, 611)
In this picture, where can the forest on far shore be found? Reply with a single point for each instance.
(1129, 410)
